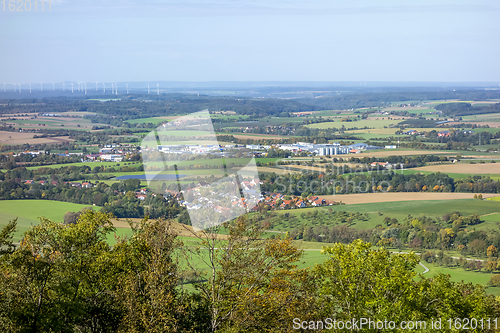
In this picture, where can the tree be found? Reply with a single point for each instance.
(491, 251)
(6, 235)
(351, 293)
(61, 277)
(252, 284)
(494, 281)
(148, 286)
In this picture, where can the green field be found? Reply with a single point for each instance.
(89, 164)
(359, 124)
(458, 274)
(154, 120)
(29, 212)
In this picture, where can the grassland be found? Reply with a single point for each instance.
(28, 212)
(89, 164)
(153, 120)
(370, 123)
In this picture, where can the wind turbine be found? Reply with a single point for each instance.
(85, 83)
(112, 88)
(95, 85)
(116, 89)
(127, 88)
(64, 86)
(103, 87)
(30, 87)
(157, 88)
(72, 88)
(148, 87)
(53, 86)
(19, 88)
(4, 87)
(41, 86)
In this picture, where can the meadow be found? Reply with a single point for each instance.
(28, 212)
(370, 123)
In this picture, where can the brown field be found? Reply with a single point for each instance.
(362, 198)
(255, 136)
(486, 168)
(484, 102)
(489, 115)
(409, 108)
(16, 138)
(180, 229)
(493, 124)
(386, 153)
(278, 171)
(76, 113)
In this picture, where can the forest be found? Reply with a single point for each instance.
(67, 278)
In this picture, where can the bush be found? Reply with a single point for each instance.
(494, 281)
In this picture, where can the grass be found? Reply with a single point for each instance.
(29, 212)
(153, 120)
(458, 274)
(89, 164)
(359, 124)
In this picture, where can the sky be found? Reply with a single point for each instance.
(251, 40)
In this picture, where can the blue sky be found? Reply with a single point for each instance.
(252, 40)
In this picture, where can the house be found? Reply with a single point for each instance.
(54, 182)
(382, 164)
(445, 134)
(29, 182)
(42, 182)
(312, 199)
(318, 202)
(87, 185)
(300, 204)
(355, 151)
(140, 196)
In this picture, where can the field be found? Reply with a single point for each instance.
(29, 212)
(463, 168)
(364, 198)
(253, 136)
(401, 152)
(17, 138)
(378, 122)
(89, 164)
(75, 123)
(154, 120)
